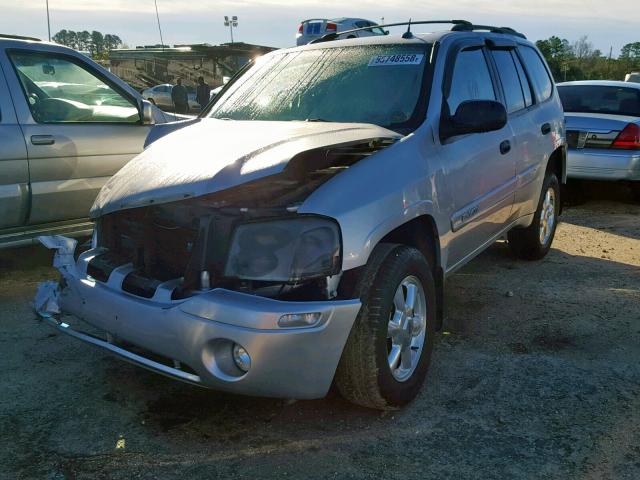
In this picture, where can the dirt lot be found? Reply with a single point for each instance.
(537, 375)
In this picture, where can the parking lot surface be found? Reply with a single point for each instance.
(536, 375)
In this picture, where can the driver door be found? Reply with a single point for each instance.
(78, 127)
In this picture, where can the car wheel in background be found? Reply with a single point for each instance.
(387, 354)
(151, 100)
(533, 242)
(635, 191)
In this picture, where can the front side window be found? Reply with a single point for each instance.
(470, 80)
(379, 84)
(600, 99)
(509, 79)
(538, 74)
(59, 90)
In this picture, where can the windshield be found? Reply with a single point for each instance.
(379, 84)
(600, 99)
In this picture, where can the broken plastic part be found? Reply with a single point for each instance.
(46, 301)
(65, 248)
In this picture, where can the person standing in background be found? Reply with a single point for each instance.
(203, 92)
(180, 98)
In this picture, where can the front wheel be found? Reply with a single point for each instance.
(387, 355)
(534, 242)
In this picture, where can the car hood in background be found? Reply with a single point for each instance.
(213, 155)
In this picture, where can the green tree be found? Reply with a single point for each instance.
(97, 43)
(630, 56)
(84, 40)
(62, 37)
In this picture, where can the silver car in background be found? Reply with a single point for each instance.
(314, 28)
(160, 95)
(603, 130)
(66, 126)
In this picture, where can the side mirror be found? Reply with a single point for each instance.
(386, 32)
(476, 116)
(146, 113)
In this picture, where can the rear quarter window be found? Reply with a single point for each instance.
(542, 82)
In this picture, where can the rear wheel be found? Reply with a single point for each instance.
(534, 242)
(387, 355)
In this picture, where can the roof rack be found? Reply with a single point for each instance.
(458, 26)
(19, 37)
(488, 28)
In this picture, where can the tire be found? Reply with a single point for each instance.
(635, 191)
(534, 242)
(152, 101)
(364, 375)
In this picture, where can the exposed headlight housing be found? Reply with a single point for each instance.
(286, 250)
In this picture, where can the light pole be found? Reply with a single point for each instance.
(159, 28)
(48, 22)
(231, 22)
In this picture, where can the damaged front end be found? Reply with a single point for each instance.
(232, 290)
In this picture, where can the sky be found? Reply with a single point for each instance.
(607, 24)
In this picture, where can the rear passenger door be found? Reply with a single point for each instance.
(518, 99)
(14, 169)
(480, 167)
(546, 120)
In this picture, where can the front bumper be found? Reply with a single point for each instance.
(198, 332)
(601, 164)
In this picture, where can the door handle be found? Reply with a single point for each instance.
(42, 140)
(505, 147)
(545, 129)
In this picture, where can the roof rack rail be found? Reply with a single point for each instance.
(332, 36)
(458, 26)
(19, 37)
(489, 28)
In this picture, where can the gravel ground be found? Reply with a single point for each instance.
(536, 376)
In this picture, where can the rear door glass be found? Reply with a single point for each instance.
(524, 81)
(509, 79)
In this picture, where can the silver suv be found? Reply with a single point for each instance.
(302, 229)
(66, 126)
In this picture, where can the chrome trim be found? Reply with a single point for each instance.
(126, 354)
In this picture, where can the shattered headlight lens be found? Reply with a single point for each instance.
(286, 250)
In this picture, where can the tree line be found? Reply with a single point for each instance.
(94, 42)
(581, 61)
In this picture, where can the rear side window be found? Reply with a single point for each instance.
(538, 74)
(470, 80)
(510, 80)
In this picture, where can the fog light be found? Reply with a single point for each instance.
(299, 319)
(241, 357)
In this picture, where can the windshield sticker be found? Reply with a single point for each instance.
(400, 59)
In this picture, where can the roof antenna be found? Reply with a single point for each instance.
(408, 33)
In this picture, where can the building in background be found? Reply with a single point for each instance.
(146, 66)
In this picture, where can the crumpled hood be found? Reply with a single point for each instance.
(214, 155)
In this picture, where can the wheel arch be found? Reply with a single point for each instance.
(557, 164)
(420, 233)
